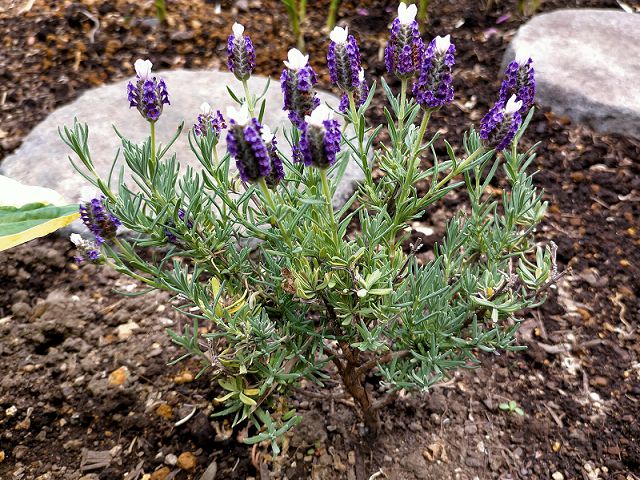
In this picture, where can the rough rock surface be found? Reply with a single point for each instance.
(42, 159)
(587, 66)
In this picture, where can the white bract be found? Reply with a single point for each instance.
(143, 68)
(205, 108)
(513, 105)
(240, 116)
(296, 59)
(523, 56)
(407, 14)
(319, 115)
(76, 239)
(361, 75)
(266, 134)
(443, 43)
(339, 35)
(237, 29)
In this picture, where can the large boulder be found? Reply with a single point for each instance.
(587, 66)
(42, 159)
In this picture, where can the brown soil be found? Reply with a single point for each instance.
(73, 383)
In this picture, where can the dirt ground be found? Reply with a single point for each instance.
(85, 390)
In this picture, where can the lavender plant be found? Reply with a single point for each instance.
(288, 288)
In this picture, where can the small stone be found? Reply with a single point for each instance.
(11, 411)
(210, 472)
(187, 461)
(160, 474)
(557, 476)
(183, 377)
(599, 381)
(170, 459)
(20, 452)
(351, 457)
(119, 376)
(415, 426)
(125, 330)
(388, 459)
(165, 411)
(2, 456)
(556, 446)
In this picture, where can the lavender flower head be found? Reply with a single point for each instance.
(343, 59)
(246, 145)
(320, 140)
(99, 220)
(241, 56)
(297, 81)
(147, 94)
(500, 124)
(434, 87)
(403, 55)
(360, 94)
(209, 120)
(277, 169)
(519, 80)
(87, 250)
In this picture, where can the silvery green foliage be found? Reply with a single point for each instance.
(283, 284)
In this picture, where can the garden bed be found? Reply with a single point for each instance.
(74, 381)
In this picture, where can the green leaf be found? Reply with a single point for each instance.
(22, 224)
(247, 400)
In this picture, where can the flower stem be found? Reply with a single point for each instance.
(414, 155)
(356, 126)
(247, 97)
(403, 106)
(152, 165)
(328, 197)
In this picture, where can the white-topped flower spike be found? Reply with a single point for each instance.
(296, 59)
(443, 43)
(319, 115)
(143, 68)
(205, 108)
(240, 116)
(237, 29)
(523, 56)
(407, 13)
(339, 35)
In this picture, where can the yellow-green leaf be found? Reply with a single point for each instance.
(246, 400)
(22, 224)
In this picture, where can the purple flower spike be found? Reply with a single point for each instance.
(241, 56)
(277, 169)
(246, 145)
(297, 81)
(87, 250)
(360, 94)
(343, 59)
(147, 94)
(519, 80)
(320, 140)
(99, 220)
(403, 55)
(209, 120)
(500, 125)
(434, 87)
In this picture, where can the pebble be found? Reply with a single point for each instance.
(20, 452)
(557, 476)
(183, 377)
(11, 411)
(170, 459)
(160, 474)
(187, 461)
(125, 330)
(351, 457)
(2, 456)
(165, 411)
(119, 376)
(210, 472)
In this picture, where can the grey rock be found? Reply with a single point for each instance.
(42, 159)
(587, 64)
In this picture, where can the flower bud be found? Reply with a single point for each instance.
(519, 80)
(207, 119)
(147, 94)
(360, 94)
(246, 145)
(434, 87)
(343, 59)
(87, 249)
(99, 220)
(320, 140)
(297, 81)
(169, 231)
(241, 56)
(500, 124)
(403, 55)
